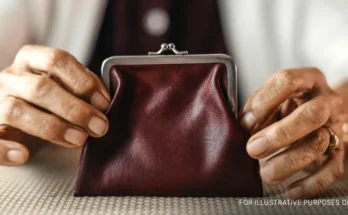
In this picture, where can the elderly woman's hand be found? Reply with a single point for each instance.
(47, 94)
(289, 113)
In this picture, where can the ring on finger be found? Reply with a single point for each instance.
(334, 140)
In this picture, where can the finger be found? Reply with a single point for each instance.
(12, 153)
(270, 120)
(315, 184)
(282, 111)
(302, 121)
(276, 90)
(19, 114)
(287, 108)
(295, 158)
(47, 94)
(69, 72)
(32, 143)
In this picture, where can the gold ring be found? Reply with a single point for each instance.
(344, 138)
(334, 141)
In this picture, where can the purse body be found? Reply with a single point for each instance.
(172, 132)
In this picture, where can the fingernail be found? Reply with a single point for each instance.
(258, 146)
(267, 172)
(294, 193)
(16, 156)
(97, 125)
(75, 136)
(99, 101)
(248, 121)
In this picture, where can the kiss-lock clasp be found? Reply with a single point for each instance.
(166, 47)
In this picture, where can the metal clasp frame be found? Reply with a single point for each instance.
(179, 57)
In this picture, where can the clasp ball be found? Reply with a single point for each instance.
(164, 46)
(171, 46)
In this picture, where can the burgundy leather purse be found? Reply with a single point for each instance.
(173, 130)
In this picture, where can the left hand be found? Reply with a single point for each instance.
(289, 113)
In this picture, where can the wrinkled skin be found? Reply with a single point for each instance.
(287, 115)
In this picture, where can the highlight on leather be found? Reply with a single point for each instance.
(171, 133)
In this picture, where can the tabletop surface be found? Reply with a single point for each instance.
(45, 186)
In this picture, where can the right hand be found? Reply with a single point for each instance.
(47, 94)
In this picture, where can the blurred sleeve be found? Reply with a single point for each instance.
(324, 27)
(14, 29)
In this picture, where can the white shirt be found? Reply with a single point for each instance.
(264, 36)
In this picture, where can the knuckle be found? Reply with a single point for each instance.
(37, 86)
(318, 73)
(280, 134)
(86, 85)
(286, 78)
(320, 184)
(24, 48)
(291, 163)
(10, 110)
(51, 129)
(316, 114)
(20, 52)
(306, 159)
(320, 142)
(78, 112)
(315, 70)
(57, 57)
(295, 162)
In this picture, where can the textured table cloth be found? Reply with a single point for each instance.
(45, 186)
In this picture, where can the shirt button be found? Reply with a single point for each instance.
(156, 22)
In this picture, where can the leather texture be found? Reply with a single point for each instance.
(172, 132)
